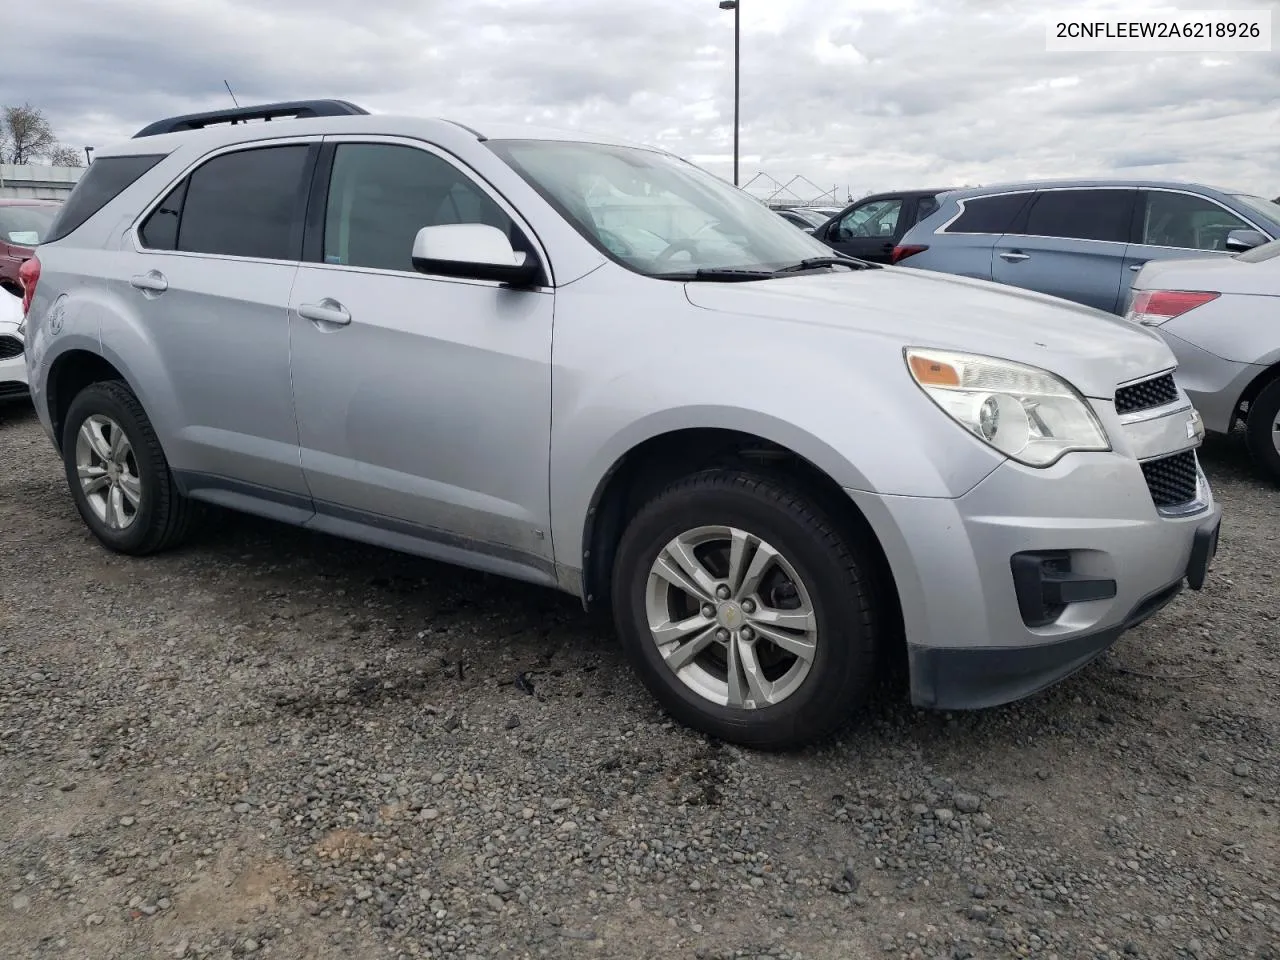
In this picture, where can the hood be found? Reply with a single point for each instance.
(1093, 350)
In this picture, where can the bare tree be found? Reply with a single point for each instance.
(66, 157)
(26, 134)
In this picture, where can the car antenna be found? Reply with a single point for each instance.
(233, 96)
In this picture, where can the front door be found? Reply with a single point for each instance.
(870, 230)
(424, 402)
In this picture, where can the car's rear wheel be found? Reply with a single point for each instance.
(746, 611)
(118, 474)
(1263, 429)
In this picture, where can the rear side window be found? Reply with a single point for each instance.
(1081, 215)
(989, 214)
(925, 207)
(105, 180)
(243, 204)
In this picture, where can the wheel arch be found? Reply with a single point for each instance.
(69, 373)
(1257, 385)
(648, 466)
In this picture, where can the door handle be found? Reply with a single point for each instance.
(1014, 256)
(1135, 267)
(152, 281)
(328, 312)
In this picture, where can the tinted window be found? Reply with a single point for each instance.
(879, 218)
(381, 195)
(989, 214)
(105, 180)
(160, 230)
(1081, 215)
(1183, 220)
(26, 225)
(246, 204)
(925, 207)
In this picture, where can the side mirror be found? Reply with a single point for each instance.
(1239, 241)
(473, 251)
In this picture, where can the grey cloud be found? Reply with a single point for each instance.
(866, 96)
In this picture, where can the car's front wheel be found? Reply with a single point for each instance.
(118, 474)
(1263, 429)
(746, 610)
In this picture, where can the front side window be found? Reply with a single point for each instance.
(381, 195)
(1081, 215)
(877, 219)
(1188, 221)
(656, 214)
(241, 204)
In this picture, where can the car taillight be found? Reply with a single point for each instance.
(28, 276)
(1154, 307)
(902, 251)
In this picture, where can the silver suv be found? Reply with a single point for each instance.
(593, 366)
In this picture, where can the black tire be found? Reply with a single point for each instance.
(163, 516)
(1260, 429)
(837, 576)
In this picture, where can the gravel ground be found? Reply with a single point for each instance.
(275, 743)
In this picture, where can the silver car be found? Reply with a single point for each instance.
(1220, 319)
(774, 466)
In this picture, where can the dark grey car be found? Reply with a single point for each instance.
(1083, 240)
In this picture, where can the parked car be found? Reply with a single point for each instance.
(1083, 240)
(872, 227)
(23, 224)
(772, 465)
(13, 365)
(804, 218)
(1219, 316)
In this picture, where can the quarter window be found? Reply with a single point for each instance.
(1081, 215)
(381, 195)
(989, 214)
(1183, 220)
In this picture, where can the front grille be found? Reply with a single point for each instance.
(1171, 480)
(1147, 394)
(10, 347)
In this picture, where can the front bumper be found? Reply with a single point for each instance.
(13, 378)
(971, 640)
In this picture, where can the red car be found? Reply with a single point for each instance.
(23, 224)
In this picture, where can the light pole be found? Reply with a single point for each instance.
(737, 22)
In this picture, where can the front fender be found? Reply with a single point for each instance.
(844, 402)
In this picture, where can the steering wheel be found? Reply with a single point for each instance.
(615, 242)
(689, 246)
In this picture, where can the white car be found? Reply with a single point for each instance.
(13, 368)
(1218, 316)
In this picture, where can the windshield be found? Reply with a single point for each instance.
(654, 213)
(26, 226)
(1268, 208)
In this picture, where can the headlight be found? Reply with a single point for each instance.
(1026, 413)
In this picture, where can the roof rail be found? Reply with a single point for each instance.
(264, 111)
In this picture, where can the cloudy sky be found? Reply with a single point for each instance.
(856, 95)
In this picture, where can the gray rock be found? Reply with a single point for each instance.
(967, 802)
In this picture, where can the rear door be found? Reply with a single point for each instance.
(869, 230)
(962, 244)
(1069, 243)
(210, 283)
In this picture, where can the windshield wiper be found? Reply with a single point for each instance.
(812, 263)
(719, 274)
